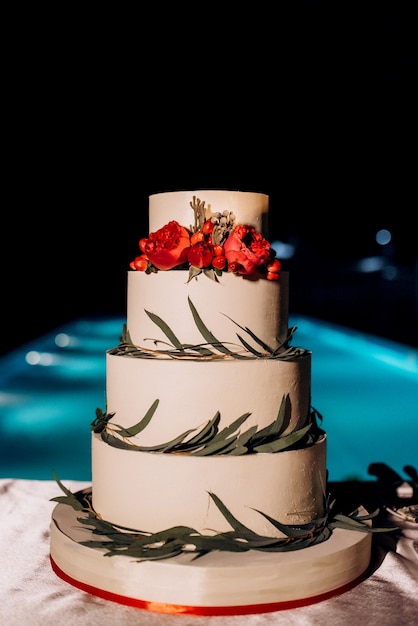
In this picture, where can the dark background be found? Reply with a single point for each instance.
(317, 109)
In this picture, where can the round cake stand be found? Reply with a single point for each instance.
(219, 583)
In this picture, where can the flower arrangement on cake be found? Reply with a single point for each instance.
(210, 246)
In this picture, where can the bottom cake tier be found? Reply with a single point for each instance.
(219, 583)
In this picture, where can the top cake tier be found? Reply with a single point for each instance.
(249, 208)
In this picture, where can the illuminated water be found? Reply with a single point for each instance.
(365, 388)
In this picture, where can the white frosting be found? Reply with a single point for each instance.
(154, 491)
(249, 208)
(259, 305)
(190, 393)
(257, 580)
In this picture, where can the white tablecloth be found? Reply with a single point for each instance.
(31, 594)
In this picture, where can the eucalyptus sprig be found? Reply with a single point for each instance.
(171, 542)
(209, 439)
(211, 347)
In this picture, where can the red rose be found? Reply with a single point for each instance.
(247, 248)
(200, 255)
(168, 246)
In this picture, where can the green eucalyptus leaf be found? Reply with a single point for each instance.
(165, 328)
(215, 447)
(69, 497)
(283, 442)
(292, 530)
(250, 348)
(200, 348)
(228, 430)
(115, 442)
(246, 436)
(237, 446)
(218, 542)
(175, 443)
(274, 429)
(236, 525)
(205, 332)
(207, 433)
(137, 428)
(259, 341)
(210, 273)
(194, 272)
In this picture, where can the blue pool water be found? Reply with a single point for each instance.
(365, 388)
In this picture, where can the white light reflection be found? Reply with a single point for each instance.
(11, 399)
(40, 358)
(62, 340)
(68, 366)
(383, 237)
(283, 250)
(370, 264)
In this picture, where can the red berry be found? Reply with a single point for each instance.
(273, 266)
(140, 263)
(272, 275)
(233, 267)
(142, 244)
(197, 237)
(218, 249)
(219, 262)
(208, 227)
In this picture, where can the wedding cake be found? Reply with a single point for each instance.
(209, 483)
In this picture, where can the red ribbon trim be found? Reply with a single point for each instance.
(162, 607)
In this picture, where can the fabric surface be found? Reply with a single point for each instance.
(31, 594)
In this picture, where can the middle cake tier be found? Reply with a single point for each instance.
(192, 392)
(138, 483)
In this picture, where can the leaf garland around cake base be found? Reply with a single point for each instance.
(144, 546)
(209, 440)
(178, 350)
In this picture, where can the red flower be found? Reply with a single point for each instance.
(200, 255)
(247, 248)
(168, 246)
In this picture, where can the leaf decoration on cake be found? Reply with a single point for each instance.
(205, 332)
(209, 440)
(211, 348)
(100, 423)
(168, 543)
(166, 330)
(70, 498)
(101, 420)
(283, 351)
(211, 273)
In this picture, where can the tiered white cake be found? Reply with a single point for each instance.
(208, 421)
